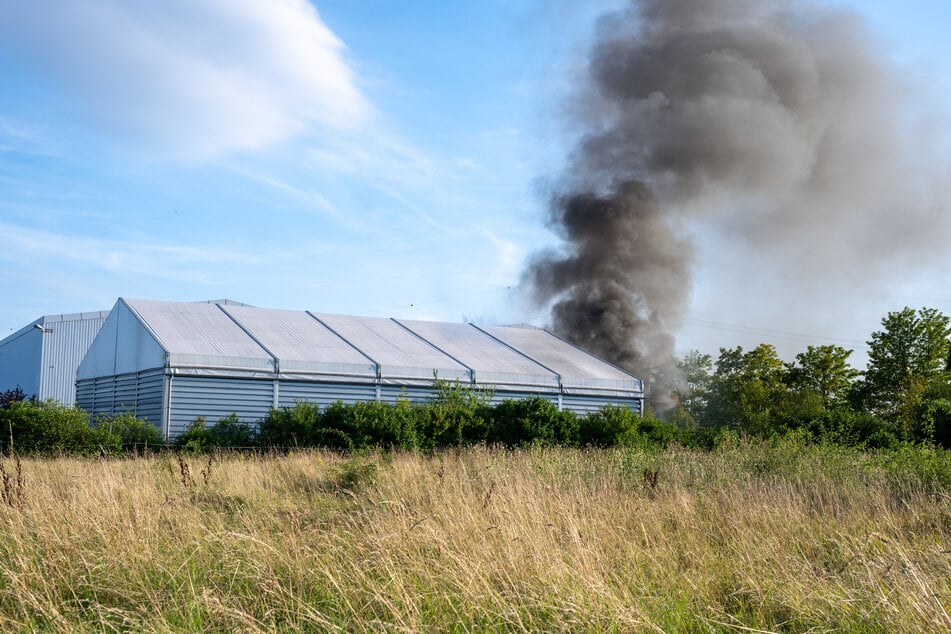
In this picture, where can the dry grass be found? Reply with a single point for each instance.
(746, 538)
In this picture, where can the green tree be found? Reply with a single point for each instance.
(908, 360)
(825, 372)
(692, 387)
(748, 390)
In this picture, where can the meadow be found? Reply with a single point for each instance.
(749, 536)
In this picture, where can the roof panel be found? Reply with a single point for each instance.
(301, 342)
(399, 353)
(492, 361)
(575, 366)
(199, 333)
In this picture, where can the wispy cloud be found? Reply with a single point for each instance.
(194, 80)
(44, 248)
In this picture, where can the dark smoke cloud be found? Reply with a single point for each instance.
(776, 123)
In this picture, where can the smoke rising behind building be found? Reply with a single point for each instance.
(778, 126)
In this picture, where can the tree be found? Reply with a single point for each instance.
(907, 358)
(824, 371)
(692, 386)
(748, 390)
(10, 397)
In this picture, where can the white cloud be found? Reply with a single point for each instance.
(194, 79)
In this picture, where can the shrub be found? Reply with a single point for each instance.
(383, 425)
(131, 434)
(611, 425)
(290, 426)
(230, 431)
(48, 426)
(653, 431)
(534, 420)
(196, 436)
(459, 414)
(12, 396)
(227, 432)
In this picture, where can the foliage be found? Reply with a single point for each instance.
(11, 396)
(692, 390)
(133, 434)
(533, 420)
(229, 432)
(910, 353)
(458, 414)
(748, 390)
(609, 426)
(51, 427)
(196, 436)
(290, 426)
(824, 371)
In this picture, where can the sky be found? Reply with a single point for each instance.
(355, 156)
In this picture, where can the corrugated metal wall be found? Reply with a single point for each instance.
(140, 393)
(215, 398)
(21, 357)
(587, 404)
(323, 394)
(65, 342)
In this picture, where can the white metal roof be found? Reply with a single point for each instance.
(575, 366)
(198, 334)
(213, 338)
(399, 352)
(492, 361)
(300, 342)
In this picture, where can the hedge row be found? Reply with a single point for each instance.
(455, 418)
(30, 426)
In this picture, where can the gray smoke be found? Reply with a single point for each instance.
(774, 122)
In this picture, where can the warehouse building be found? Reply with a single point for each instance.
(43, 356)
(170, 362)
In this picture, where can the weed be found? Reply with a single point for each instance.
(184, 472)
(12, 485)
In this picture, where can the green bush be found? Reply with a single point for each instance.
(609, 426)
(132, 434)
(384, 425)
(290, 426)
(49, 427)
(228, 432)
(458, 415)
(231, 432)
(534, 420)
(196, 436)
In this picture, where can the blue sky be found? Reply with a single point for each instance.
(351, 156)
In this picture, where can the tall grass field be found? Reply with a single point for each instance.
(749, 537)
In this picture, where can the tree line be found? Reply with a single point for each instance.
(904, 394)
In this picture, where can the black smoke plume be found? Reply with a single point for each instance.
(773, 122)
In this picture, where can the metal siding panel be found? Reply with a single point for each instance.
(150, 392)
(392, 394)
(500, 396)
(324, 393)
(216, 398)
(100, 358)
(63, 350)
(21, 357)
(139, 394)
(588, 404)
